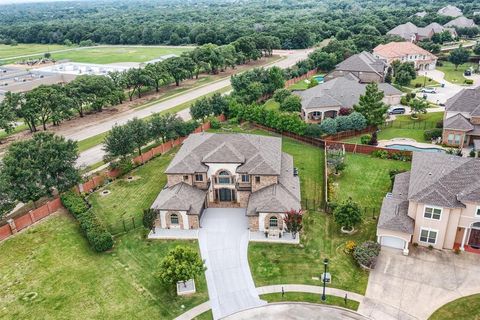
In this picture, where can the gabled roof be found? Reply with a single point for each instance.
(461, 22)
(362, 62)
(280, 197)
(458, 122)
(255, 154)
(467, 100)
(406, 30)
(450, 11)
(400, 49)
(421, 14)
(340, 92)
(181, 197)
(443, 179)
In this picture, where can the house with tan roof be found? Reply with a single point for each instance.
(436, 203)
(362, 65)
(460, 22)
(229, 171)
(412, 33)
(406, 52)
(450, 11)
(461, 121)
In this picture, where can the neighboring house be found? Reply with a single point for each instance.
(229, 170)
(437, 203)
(460, 22)
(450, 11)
(406, 52)
(461, 121)
(412, 33)
(325, 100)
(421, 14)
(363, 65)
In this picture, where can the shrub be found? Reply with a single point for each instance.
(292, 103)
(313, 130)
(149, 216)
(233, 121)
(418, 85)
(350, 246)
(214, 123)
(472, 153)
(365, 139)
(348, 214)
(468, 81)
(357, 121)
(281, 94)
(97, 235)
(367, 253)
(344, 123)
(430, 247)
(401, 156)
(345, 111)
(404, 100)
(313, 82)
(439, 124)
(329, 126)
(432, 133)
(382, 154)
(415, 244)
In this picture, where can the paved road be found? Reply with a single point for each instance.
(297, 311)
(223, 240)
(413, 287)
(93, 156)
(450, 89)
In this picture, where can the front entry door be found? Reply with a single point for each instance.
(474, 240)
(225, 194)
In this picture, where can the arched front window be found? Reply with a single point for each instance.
(273, 222)
(476, 225)
(174, 218)
(224, 177)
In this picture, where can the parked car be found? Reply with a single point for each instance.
(429, 90)
(467, 73)
(396, 110)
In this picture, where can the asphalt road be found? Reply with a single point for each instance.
(95, 154)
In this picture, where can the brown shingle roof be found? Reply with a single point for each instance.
(181, 197)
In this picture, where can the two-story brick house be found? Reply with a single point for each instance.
(406, 52)
(437, 203)
(461, 121)
(229, 170)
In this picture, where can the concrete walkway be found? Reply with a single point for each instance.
(223, 241)
(201, 308)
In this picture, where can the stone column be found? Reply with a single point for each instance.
(462, 246)
(12, 225)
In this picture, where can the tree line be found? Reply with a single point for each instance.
(297, 24)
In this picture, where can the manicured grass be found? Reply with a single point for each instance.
(452, 75)
(310, 297)
(300, 85)
(53, 263)
(7, 51)
(467, 308)
(422, 80)
(369, 172)
(17, 129)
(406, 127)
(272, 105)
(91, 142)
(128, 199)
(207, 315)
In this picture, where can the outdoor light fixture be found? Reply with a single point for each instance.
(325, 263)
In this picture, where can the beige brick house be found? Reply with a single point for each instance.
(461, 121)
(406, 52)
(229, 171)
(437, 203)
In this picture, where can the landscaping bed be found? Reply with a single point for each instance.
(310, 297)
(49, 272)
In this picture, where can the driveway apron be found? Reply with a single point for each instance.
(223, 240)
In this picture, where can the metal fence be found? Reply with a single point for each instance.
(410, 125)
(124, 225)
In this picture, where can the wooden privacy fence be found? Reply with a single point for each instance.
(16, 224)
(307, 75)
(350, 133)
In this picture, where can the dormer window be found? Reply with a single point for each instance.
(224, 177)
(199, 177)
(245, 178)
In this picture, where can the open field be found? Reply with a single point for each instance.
(7, 51)
(49, 272)
(100, 55)
(452, 75)
(467, 308)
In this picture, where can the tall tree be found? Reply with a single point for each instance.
(180, 265)
(7, 112)
(118, 143)
(158, 73)
(35, 168)
(371, 106)
(458, 56)
(139, 133)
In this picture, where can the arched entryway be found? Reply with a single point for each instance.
(474, 238)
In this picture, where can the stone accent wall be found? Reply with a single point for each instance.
(173, 179)
(242, 198)
(265, 181)
(253, 223)
(168, 220)
(445, 134)
(193, 222)
(279, 218)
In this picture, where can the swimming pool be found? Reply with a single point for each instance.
(320, 79)
(407, 147)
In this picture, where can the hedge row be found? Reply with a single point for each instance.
(97, 235)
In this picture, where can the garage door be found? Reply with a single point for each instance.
(392, 242)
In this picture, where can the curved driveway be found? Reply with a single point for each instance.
(223, 240)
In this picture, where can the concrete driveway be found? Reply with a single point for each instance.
(450, 89)
(414, 286)
(223, 240)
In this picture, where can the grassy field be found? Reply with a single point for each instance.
(309, 297)
(50, 272)
(300, 85)
(405, 127)
(422, 80)
(467, 308)
(103, 55)
(452, 75)
(7, 51)
(141, 192)
(272, 104)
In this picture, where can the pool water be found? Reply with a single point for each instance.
(320, 79)
(407, 147)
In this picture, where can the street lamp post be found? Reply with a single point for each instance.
(425, 79)
(325, 263)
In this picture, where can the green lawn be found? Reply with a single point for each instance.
(300, 85)
(7, 51)
(49, 272)
(405, 127)
(467, 308)
(309, 297)
(140, 193)
(422, 80)
(110, 54)
(272, 105)
(452, 75)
